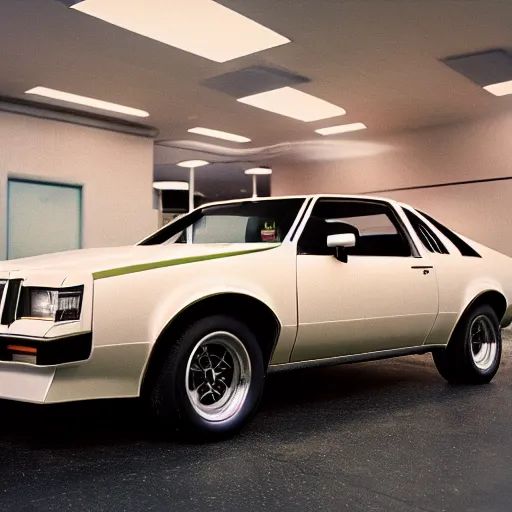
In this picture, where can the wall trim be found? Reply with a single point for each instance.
(438, 185)
(53, 113)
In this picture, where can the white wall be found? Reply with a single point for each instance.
(116, 171)
(465, 152)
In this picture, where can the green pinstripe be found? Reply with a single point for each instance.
(143, 267)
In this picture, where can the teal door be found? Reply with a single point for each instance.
(42, 218)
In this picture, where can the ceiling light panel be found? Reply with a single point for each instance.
(500, 89)
(201, 27)
(217, 134)
(86, 101)
(341, 128)
(292, 103)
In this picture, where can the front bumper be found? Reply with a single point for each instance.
(25, 383)
(45, 351)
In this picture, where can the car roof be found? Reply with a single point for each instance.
(307, 196)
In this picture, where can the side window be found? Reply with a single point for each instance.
(428, 238)
(375, 226)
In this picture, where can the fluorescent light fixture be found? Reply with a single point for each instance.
(293, 103)
(192, 164)
(170, 185)
(341, 128)
(500, 89)
(259, 170)
(201, 27)
(84, 100)
(219, 135)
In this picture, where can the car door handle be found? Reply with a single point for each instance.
(425, 268)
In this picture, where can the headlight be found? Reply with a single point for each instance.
(59, 305)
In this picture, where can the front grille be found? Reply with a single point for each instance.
(2, 288)
(11, 301)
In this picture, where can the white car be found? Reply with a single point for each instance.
(194, 316)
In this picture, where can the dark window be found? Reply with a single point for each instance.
(375, 226)
(428, 238)
(241, 222)
(464, 248)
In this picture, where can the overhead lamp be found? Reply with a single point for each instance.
(259, 170)
(170, 185)
(500, 89)
(192, 164)
(86, 101)
(217, 134)
(255, 172)
(293, 103)
(201, 27)
(341, 128)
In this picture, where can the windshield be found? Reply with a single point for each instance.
(265, 221)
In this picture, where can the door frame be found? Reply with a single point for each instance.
(397, 215)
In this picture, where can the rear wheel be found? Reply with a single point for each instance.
(212, 380)
(474, 352)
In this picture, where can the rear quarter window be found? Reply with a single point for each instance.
(464, 248)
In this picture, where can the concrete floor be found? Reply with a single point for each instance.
(383, 436)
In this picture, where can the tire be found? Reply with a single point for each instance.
(474, 352)
(211, 383)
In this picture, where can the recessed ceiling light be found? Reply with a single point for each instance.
(500, 89)
(293, 103)
(341, 128)
(259, 170)
(84, 100)
(219, 135)
(193, 163)
(201, 27)
(170, 185)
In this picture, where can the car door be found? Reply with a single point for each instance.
(383, 297)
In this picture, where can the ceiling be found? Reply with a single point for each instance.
(378, 59)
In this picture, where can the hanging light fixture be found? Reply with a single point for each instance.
(255, 172)
(191, 166)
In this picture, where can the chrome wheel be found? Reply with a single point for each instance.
(483, 342)
(218, 376)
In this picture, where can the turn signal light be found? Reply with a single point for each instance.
(19, 348)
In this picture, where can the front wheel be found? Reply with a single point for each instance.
(212, 380)
(474, 352)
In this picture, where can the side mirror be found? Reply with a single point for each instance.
(341, 242)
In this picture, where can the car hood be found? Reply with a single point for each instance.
(114, 260)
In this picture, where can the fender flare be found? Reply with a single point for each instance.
(497, 295)
(179, 319)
